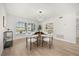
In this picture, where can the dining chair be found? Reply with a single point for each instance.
(47, 38)
(30, 41)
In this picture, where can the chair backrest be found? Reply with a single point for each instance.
(47, 34)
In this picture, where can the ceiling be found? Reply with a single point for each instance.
(32, 10)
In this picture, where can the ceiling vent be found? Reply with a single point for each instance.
(60, 17)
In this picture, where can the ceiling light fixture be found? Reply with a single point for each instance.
(40, 11)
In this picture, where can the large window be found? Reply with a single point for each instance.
(20, 27)
(23, 27)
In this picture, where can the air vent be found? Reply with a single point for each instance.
(60, 17)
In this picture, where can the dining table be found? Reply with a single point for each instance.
(39, 38)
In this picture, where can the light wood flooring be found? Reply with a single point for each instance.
(59, 48)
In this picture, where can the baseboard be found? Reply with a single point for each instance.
(64, 40)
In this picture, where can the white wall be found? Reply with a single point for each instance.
(70, 27)
(2, 13)
(58, 27)
(11, 24)
(77, 27)
(65, 28)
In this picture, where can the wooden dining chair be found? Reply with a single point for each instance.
(48, 39)
(30, 41)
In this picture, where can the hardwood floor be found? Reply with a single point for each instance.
(59, 48)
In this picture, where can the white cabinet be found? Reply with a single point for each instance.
(8, 39)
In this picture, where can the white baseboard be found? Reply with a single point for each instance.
(64, 40)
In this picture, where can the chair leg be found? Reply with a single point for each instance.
(42, 42)
(26, 43)
(30, 44)
(52, 41)
(37, 42)
(49, 43)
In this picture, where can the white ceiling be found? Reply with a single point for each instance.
(31, 10)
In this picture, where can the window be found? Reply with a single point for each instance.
(23, 27)
(49, 28)
(31, 27)
(20, 27)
